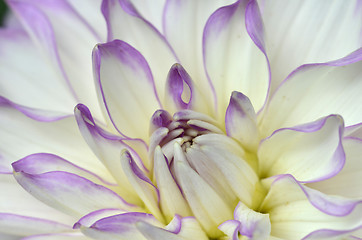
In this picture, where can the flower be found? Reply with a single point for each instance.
(205, 120)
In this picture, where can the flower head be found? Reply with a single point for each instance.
(203, 120)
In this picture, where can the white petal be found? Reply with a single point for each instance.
(58, 138)
(121, 16)
(207, 206)
(125, 86)
(317, 90)
(171, 200)
(310, 152)
(60, 236)
(354, 131)
(347, 182)
(306, 31)
(232, 60)
(15, 200)
(66, 40)
(27, 77)
(151, 11)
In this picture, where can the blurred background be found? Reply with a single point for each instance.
(3, 10)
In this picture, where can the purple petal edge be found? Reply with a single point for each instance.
(329, 233)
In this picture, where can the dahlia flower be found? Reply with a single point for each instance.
(126, 119)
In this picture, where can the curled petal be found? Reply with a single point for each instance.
(181, 92)
(310, 152)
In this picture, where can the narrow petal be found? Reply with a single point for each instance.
(91, 218)
(207, 206)
(310, 152)
(171, 200)
(143, 186)
(330, 234)
(182, 93)
(316, 211)
(56, 27)
(312, 32)
(121, 16)
(69, 193)
(11, 223)
(231, 229)
(316, 90)
(347, 181)
(59, 138)
(22, 78)
(232, 60)
(125, 86)
(240, 121)
(354, 131)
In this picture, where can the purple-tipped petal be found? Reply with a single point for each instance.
(121, 16)
(60, 137)
(121, 226)
(311, 152)
(56, 27)
(22, 79)
(347, 182)
(316, 90)
(316, 211)
(125, 86)
(70, 193)
(231, 229)
(240, 121)
(294, 35)
(107, 147)
(232, 60)
(330, 234)
(141, 184)
(160, 119)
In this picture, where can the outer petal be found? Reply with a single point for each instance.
(29, 79)
(310, 152)
(233, 53)
(189, 18)
(19, 203)
(151, 11)
(56, 27)
(60, 236)
(11, 224)
(69, 193)
(347, 182)
(122, 16)
(61, 138)
(302, 32)
(316, 211)
(354, 131)
(314, 91)
(125, 86)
